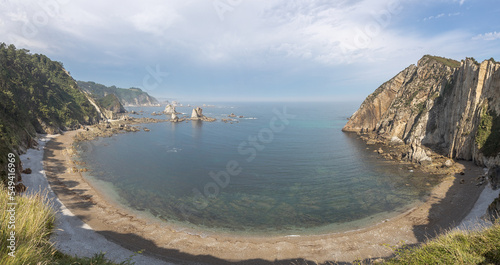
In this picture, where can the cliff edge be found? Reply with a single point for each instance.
(448, 106)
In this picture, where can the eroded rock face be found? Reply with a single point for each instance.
(197, 113)
(438, 104)
(169, 109)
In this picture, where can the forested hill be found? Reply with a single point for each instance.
(37, 95)
(128, 97)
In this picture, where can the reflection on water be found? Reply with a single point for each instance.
(309, 177)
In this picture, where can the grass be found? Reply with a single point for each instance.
(455, 247)
(448, 62)
(34, 221)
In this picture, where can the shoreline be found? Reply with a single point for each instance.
(133, 232)
(71, 235)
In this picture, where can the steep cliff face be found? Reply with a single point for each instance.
(451, 107)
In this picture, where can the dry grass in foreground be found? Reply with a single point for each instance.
(34, 221)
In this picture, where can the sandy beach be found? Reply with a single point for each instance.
(449, 203)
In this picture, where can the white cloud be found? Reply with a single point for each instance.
(259, 33)
(487, 36)
(442, 15)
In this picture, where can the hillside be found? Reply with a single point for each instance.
(448, 106)
(37, 95)
(128, 97)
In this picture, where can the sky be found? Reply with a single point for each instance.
(250, 50)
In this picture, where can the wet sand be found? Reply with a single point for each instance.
(448, 204)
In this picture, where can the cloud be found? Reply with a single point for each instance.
(189, 38)
(487, 36)
(442, 15)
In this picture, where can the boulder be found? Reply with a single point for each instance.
(448, 163)
(27, 171)
(396, 141)
(20, 187)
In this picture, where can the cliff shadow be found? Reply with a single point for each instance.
(53, 166)
(457, 203)
(136, 243)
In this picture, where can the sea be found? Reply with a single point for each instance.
(276, 169)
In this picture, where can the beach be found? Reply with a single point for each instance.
(102, 221)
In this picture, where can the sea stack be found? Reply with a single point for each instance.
(169, 109)
(174, 117)
(197, 113)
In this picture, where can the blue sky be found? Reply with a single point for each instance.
(217, 50)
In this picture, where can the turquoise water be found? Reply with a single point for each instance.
(268, 174)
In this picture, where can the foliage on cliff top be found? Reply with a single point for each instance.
(446, 61)
(126, 96)
(455, 247)
(37, 95)
(111, 102)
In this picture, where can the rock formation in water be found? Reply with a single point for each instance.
(174, 118)
(169, 109)
(448, 106)
(197, 114)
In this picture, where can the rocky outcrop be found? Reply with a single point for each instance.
(111, 107)
(448, 106)
(128, 97)
(169, 109)
(197, 114)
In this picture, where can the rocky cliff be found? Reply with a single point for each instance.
(128, 97)
(448, 106)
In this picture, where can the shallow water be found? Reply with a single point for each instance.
(268, 174)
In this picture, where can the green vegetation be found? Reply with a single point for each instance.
(33, 225)
(488, 133)
(37, 95)
(448, 62)
(131, 96)
(472, 59)
(455, 247)
(111, 102)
